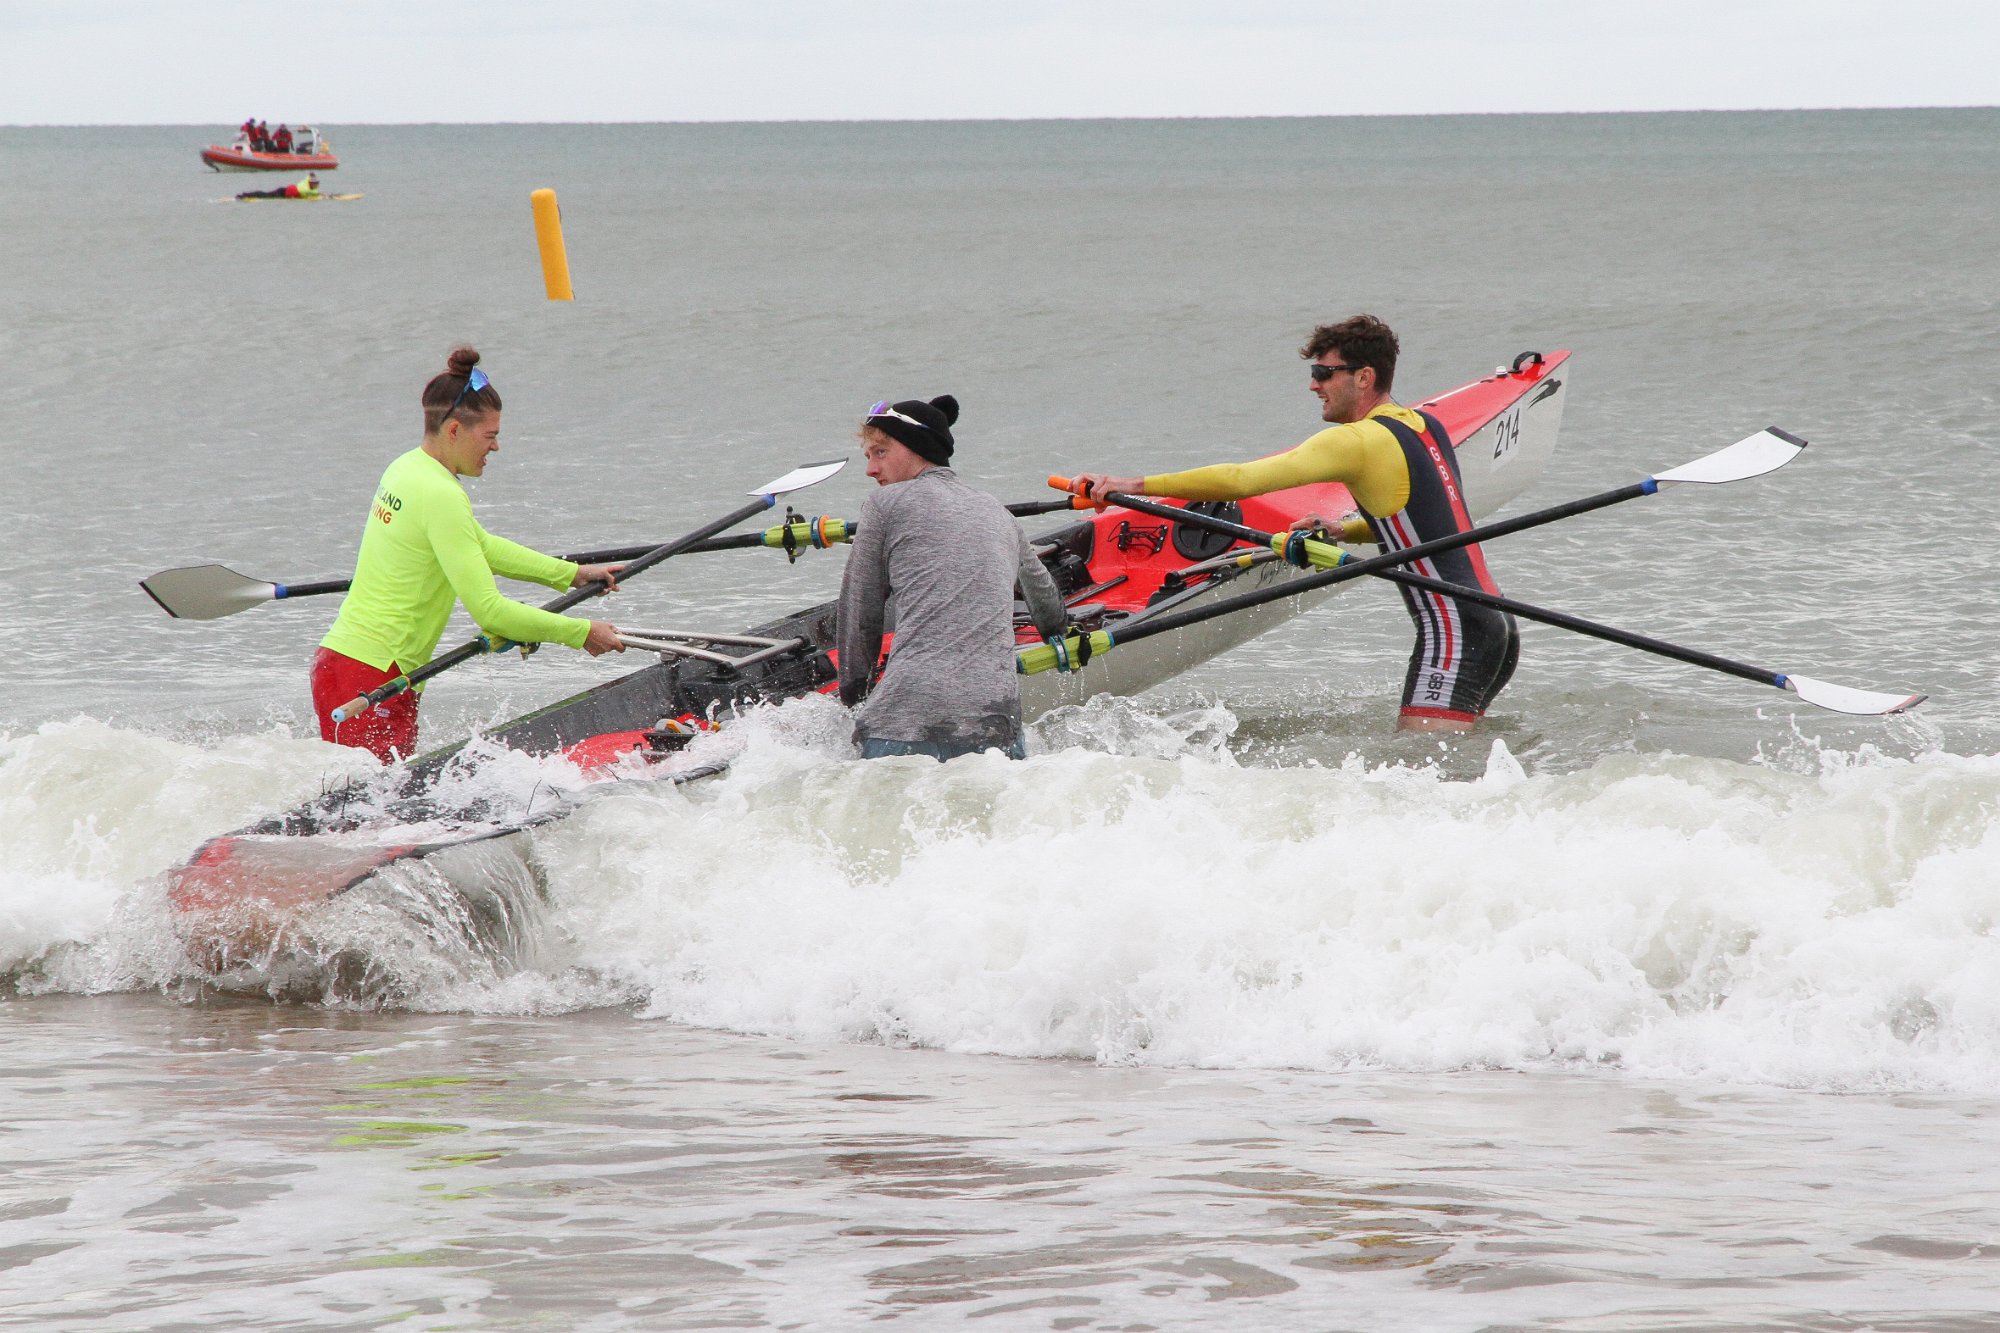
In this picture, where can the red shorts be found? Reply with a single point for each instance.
(388, 730)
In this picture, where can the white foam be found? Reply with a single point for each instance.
(88, 811)
(1828, 925)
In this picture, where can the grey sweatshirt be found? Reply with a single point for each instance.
(949, 555)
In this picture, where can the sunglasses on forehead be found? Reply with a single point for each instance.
(1321, 374)
(884, 409)
(476, 382)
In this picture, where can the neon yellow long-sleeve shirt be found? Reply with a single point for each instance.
(1362, 454)
(421, 550)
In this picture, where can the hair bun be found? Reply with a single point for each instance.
(948, 406)
(461, 361)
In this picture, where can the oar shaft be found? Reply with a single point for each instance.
(613, 554)
(834, 530)
(1767, 450)
(807, 532)
(656, 555)
(1563, 620)
(1747, 458)
(1449, 542)
(1385, 566)
(1176, 514)
(1145, 627)
(1148, 626)
(1521, 522)
(309, 589)
(355, 707)
(210, 591)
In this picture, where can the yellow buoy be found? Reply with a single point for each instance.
(548, 234)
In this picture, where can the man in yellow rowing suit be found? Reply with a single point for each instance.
(1402, 471)
(421, 550)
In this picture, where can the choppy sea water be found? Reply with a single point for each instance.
(1662, 1003)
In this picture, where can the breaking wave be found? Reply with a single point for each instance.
(1133, 893)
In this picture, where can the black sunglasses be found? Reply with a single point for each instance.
(476, 382)
(1321, 374)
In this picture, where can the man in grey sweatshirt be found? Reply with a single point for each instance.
(950, 556)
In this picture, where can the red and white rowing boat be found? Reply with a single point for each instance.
(412, 841)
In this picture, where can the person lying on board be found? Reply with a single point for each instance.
(305, 189)
(952, 557)
(1401, 469)
(421, 549)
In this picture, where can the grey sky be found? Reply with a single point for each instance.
(356, 61)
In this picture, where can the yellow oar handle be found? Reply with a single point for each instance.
(1042, 656)
(820, 532)
(1307, 552)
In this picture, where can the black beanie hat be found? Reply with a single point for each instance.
(924, 427)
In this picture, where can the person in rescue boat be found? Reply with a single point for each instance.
(282, 140)
(950, 556)
(1402, 470)
(421, 550)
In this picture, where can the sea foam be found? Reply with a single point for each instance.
(1150, 899)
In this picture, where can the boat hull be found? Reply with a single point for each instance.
(282, 199)
(223, 158)
(355, 917)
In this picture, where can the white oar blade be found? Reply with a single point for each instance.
(206, 592)
(1766, 451)
(1842, 699)
(811, 474)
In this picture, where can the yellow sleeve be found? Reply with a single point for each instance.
(1362, 454)
(515, 561)
(1336, 454)
(456, 540)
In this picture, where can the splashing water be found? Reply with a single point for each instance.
(1145, 899)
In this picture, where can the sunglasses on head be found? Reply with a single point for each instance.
(476, 382)
(1321, 374)
(883, 409)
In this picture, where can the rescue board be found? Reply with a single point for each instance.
(267, 199)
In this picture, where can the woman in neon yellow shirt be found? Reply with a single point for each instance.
(421, 551)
